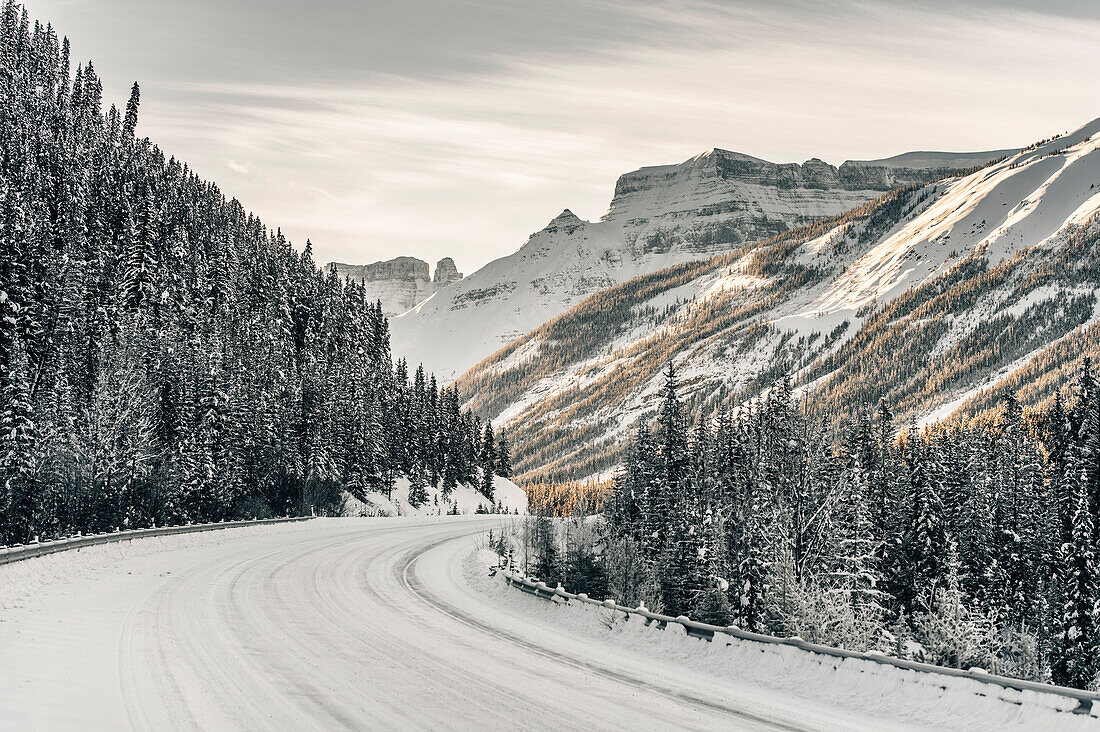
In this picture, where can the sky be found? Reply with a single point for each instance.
(435, 128)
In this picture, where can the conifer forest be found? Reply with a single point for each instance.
(164, 357)
(965, 545)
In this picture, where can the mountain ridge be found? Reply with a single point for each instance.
(918, 297)
(658, 216)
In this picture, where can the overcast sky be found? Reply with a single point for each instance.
(456, 128)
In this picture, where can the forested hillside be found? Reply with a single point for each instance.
(967, 544)
(165, 357)
(927, 297)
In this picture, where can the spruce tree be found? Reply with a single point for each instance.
(418, 494)
(547, 561)
(672, 434)
(504, 457)
(918, 559)
(17, 463)
(855, 565)
(488, 461)
(1077, 659)
(130, 123)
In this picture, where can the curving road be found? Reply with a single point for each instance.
(336, 624)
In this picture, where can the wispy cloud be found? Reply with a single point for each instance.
(439, 128)
(242, 168)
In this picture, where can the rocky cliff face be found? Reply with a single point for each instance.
(400, 283)
(401, 268)
(445, 273)
(658, 217)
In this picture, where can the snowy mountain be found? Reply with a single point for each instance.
(925, 297)
(399, 283)
(658, 217)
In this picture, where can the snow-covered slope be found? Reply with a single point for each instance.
(659, 216)
(918, 297)
(463, 500)
(399, 283)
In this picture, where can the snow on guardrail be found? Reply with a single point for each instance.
(19, 552)
(1083, 702)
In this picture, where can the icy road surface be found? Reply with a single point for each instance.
(331, 624)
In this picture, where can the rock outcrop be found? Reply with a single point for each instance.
(446, 273)
(400, 283)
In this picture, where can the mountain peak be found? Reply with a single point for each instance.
(399, 268)
(565, 221)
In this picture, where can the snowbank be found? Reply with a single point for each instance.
(466, 500)
(20, 579)
(900, 694)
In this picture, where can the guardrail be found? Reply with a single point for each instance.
(1085, 699)
(19, 552)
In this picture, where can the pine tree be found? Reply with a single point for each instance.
(547, 565)
(883, 480)
(141, 254)
(583, 572)
(918, 561)
(130, 123)
(681, 568)
(504, 457)
(488, 461)
(418, 494)
(855, 566)
(17, 463)
(1086, 419)
(752, 563)
(1078, 651)
(650, 494)
(672, 434)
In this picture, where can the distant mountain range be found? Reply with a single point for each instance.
(399, 283)
(934, 297)
(659, 216)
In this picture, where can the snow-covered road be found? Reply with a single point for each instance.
(332, 624)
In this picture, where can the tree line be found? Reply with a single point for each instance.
(164, 357)
(965, 544)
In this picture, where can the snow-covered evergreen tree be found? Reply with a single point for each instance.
(949, 536)
(1077, 659)
(488, 461)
